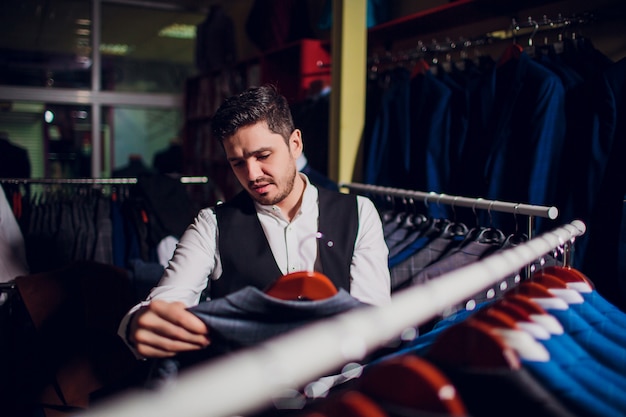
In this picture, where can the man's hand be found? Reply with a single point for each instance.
(162, 329)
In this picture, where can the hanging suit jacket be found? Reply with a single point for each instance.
(605, 246)
(514, 145)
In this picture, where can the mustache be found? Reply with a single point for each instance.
(261, 180)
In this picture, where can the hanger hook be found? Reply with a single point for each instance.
(453, 207)
(474, 211)
(489, 212)
(515, 219)
(534, 32)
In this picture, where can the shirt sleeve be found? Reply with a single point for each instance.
(371, 282)
(193, 262)
(187, 274)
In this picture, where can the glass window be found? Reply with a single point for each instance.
(154, 52)
(138, 135)
(45, 43)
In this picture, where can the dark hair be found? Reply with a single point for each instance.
(256, 104)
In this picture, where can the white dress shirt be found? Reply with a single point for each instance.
(293, 244)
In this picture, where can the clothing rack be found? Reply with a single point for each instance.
(95, 181)
(531, 27)
(250, 379)
(532, 211)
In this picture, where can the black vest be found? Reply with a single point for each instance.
(246, 255)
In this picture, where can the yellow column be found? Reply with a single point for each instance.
(347, 106)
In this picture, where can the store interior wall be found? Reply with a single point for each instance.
(135, 131)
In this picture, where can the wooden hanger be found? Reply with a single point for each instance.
(302, 286)
(558, 287)
(567, 274)
(473, 343)
(524, 302)
(532, 289)
(420, 67)
(511, 53)
(496, 318)
(353, 404)
(543, 296)
(548, 280)
(516, 312)
(414, 383)
(536, 312)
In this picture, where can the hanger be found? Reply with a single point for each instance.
(535, 312)
(517, 335)
(303, 286)
(412, 382)
(351, 404)
(420, 67)
(517, 237)
(568, 274)
(557, 287)
(513, 51)
(541, 295)
(491, 235)
(415, 218)
(473, 343)
(455, 228)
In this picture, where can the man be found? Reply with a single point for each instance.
(266, 231)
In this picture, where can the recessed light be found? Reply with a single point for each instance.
(114, 49)
(178, 31)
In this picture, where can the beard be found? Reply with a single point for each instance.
(284, 188)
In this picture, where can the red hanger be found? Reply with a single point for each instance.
(535, 311)
(568, 274)
(548, 280)
(412, 382)
(496, 318)
(512, 52)
(353, 404)
(532, 289)
(517, 312)
(302, 285)
(420, 67)
(524, 302)
(473, 343)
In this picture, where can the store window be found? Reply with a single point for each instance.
(48, 104)
(147, 50)
(45, 43)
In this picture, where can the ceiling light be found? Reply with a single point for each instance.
(178, 31)
(114, 49)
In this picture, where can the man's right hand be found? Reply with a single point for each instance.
(162, 329)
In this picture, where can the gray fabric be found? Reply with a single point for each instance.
(249, 316)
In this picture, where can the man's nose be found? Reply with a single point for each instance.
(254, 170)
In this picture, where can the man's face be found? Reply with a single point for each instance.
(263, 163)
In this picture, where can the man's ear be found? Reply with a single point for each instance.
(296, 146)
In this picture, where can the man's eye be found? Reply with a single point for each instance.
(262, 157)
(237, 164)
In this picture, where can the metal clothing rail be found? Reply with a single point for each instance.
(529, 210)
(94, 181)
(248, 380)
